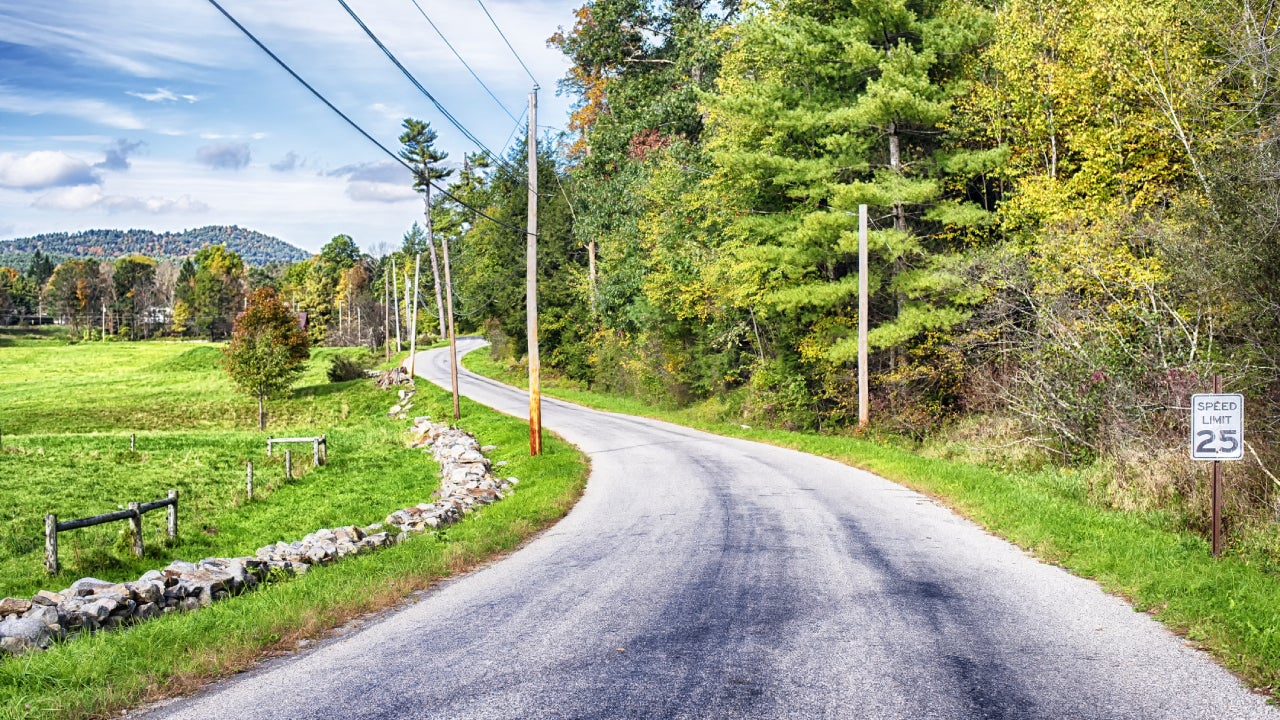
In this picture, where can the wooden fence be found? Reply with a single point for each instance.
(133, 514)
(319, 447)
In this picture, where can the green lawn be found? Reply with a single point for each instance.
(67, 411)
(1230, 607)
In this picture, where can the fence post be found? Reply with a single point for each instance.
(315, 453)
(135, 525)
(173, 515)
(288, 465)
(268, 446)
(324, 448)
(248, 483)
(133, 442)
(51, 543)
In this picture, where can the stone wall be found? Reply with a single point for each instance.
(91, 605)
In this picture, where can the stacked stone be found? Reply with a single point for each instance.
(466, 480)
(394, 376)
(90, 605)
(323, 546)
(400, 411)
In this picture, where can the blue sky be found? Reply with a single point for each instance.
(163, 116)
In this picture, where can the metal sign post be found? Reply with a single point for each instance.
(1217, 434)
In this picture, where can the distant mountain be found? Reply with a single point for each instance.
(254, 247)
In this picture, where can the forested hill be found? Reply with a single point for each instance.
(254, 247)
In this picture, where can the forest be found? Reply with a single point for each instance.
(255, 247)
(1073, 212)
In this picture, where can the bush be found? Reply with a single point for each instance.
(347, 367)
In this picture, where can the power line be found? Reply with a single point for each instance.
(396, 61)
(352, 123)
(464, 62)
(508, 42)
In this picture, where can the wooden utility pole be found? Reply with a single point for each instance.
(413, 322)
(435, 270)
(395, 298)
(453, 338)
(407, 310)
(386, 313)
(864, 413)
(531, 285)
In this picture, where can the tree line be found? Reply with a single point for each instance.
(1073, 211)
(1073, 216)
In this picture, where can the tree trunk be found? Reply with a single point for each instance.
(262, 413)
(591, 273)
(435, 268)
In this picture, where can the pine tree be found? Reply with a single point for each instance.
(821, 109)
(418, 149)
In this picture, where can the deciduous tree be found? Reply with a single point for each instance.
(268, 349)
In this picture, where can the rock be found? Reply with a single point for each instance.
(45, 614)
(178, 568)
(152, 575)
(189, 604)
(14, 606)
(100, 609)
(146, 591)
(87, 586)
(147, 611)
(20, 634)
(202, 582)
(44, 597)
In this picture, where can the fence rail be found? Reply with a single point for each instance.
(319, 447)
(133, 514)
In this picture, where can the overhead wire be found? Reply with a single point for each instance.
(464, 62)
(405, 71)
(508, 42)
(438, 188)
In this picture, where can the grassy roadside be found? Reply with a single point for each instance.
(100, 675)
(1229, 607)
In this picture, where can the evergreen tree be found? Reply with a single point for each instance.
(821, 108)
(419, 150)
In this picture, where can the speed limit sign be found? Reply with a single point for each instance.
(1217, 427)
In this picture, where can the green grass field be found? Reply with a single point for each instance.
(66, 413)
(1230, 607)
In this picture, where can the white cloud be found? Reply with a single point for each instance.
(94, 111)
(362, 191)
(70, 199)
(384, 182)
(44, 169)
(77, 199)
(163, 95)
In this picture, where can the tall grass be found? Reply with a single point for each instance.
(1230, 607)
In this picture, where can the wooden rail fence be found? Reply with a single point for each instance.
(133, 514)
(319, 447)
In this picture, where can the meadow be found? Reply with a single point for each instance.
(67, 413)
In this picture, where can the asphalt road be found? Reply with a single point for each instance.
(704, 577)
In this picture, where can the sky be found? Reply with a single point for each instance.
(165, 116)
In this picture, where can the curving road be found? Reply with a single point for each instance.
(704, 577)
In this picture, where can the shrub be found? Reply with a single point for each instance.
(347, 367)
